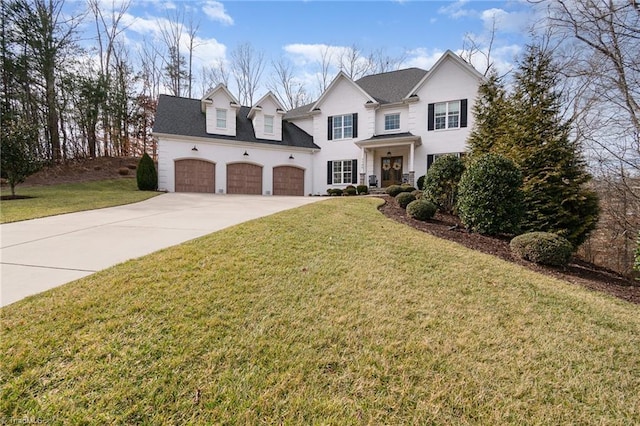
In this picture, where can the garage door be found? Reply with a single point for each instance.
(288, 180)
(195, 176)
(244, 178)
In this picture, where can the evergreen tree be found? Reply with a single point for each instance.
(555, 175)
(146, 174)
(491, 116)
(527, 127)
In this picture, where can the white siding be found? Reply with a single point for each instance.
(268, 108)
(220, 100)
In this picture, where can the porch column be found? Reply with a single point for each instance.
(363, 166)
(412, 168)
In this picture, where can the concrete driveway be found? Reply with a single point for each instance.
(40, 254)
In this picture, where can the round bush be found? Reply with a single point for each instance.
(417, 193)
(394, 190)
(146, 174)
(441, 183)
(334, 192)
(350, 190)
(404, 198)
(420, 182)
(362, 189)
(421, 209)
(490, 200)
(123, 171)
(542, 247)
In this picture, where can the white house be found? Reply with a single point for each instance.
(379, 130)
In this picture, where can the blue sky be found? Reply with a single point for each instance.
(419, 31)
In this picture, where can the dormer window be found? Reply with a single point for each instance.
(268, 124)
(221, 118)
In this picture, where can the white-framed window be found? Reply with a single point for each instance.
(221, 118)
(268, 124)
(447, 115)
(342, 171)
(392, 121)
(343, 126)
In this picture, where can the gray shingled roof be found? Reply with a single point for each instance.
(391, 86)
(183, 117)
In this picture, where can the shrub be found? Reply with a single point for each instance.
(441, 183)
(421, 209)
(393, 190)
(417, 193)
(123, 171)
(132, 166)
(404, 198)
(350, 190)
(490, 200)
(334, 191)
(362, 189)
(542, 247)
(146, 175)
(420, 182)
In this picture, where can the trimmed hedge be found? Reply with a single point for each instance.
(544, 248)
(394, 190)
(334, 192)
(404, 198)
(421, 209)
(420, 182)
(362, 189)
(350, 190)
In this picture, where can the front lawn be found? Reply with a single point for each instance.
(68, 198)
(326, 314)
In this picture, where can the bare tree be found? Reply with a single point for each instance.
(354, 63)
(381, 62)
(325, 66)
(192, 30)
(600, 45)
(247, 65)
(284, 85)
(471, 48)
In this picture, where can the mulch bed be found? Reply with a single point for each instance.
(577, 272)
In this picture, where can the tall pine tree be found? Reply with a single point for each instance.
(527, 127)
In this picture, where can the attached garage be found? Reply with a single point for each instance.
(288, 180)
(195, 176)
(244, 178)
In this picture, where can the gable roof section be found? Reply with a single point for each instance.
(258, 105)
(341, 75)
(447, 55)
(391, 87)
(182, 117)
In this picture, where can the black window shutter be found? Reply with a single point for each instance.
(354, 169)
(429, 161)
(329, 172)
(463, 113)
(430, 114)
(355, 125)
(330, 128)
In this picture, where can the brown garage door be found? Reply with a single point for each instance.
(288, 180)
(195, 176)
(244, 178)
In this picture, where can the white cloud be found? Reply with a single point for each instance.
(510, 22)
(422, 58)
(215, 11)
(457, 10)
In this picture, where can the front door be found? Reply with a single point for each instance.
(391, 171)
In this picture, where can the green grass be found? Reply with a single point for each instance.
(69, 198)
(326, 314)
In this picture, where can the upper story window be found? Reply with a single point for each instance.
(268, 124)
(343, 126)
(221, 118)
(392, 121)
(447, 115)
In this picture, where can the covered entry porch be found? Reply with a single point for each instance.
(388, 160)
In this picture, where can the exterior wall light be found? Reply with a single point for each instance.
(246, 154)
(195, 148)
